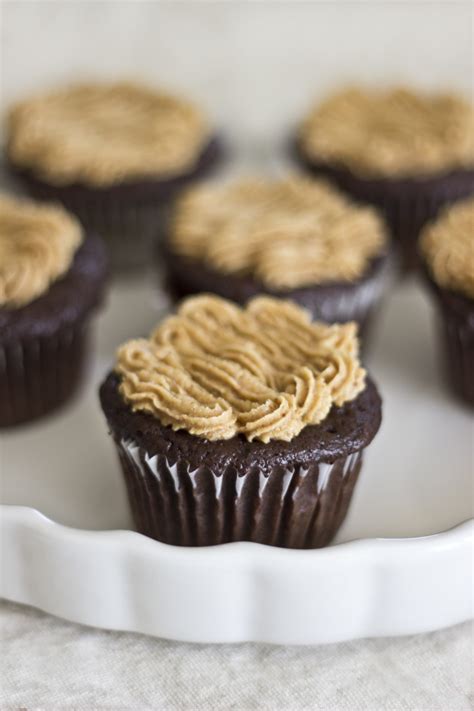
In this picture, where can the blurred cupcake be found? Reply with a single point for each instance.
(241, 424)
(447, 248)
(295, 238)
(51, 281)
(407, 153)
(114, 154)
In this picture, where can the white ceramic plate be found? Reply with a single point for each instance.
(402, 562)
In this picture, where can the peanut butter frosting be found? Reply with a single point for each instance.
(102, 134)
(287, 233)
(395, 133)
(264, 371)
(37, 246)
(447, 245)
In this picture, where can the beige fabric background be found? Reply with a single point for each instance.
(50, 664)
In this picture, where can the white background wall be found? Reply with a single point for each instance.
(255, 66)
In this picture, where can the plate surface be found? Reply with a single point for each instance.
(412, 570)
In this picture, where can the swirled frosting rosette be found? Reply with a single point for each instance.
(264, 371)
(37, 246)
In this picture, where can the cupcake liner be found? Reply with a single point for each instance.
(457, 346)
(406, 215)
(355, 302)
(455, 325)
(130, 231)
(301, 507)
(39, 374)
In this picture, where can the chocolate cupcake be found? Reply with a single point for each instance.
(407, 153)
(447, 249)
(236, 424)
(114, 154)
(51, 282)
(295, 238)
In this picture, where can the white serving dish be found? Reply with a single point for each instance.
(402, 562)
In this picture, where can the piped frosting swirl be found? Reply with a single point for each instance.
(286, 233)
(395, 133)
(218, 370)
(37, 246)
(447, 245)
(103, 134)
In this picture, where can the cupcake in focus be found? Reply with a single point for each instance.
(447, 249)
(237, 424)
(51, 282)
(407, 153)
(114, 154)
(294, 238)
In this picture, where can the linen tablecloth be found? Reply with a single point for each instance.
(51, 664)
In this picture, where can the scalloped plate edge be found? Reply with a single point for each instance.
(121, 580)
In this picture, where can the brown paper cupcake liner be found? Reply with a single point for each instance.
(130, 231)
(455, 326)
(407, 214)
(457, 347)
(301, 507)
(39, 374)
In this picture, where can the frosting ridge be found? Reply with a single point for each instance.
(392, 133)
(218, 370)
(102, 134)
(447, 245)
(37, 246)
(286, 233)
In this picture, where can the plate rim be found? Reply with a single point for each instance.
(29, 515)
(261, 591)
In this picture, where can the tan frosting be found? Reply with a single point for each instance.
(37, 246)
(102, 134)
(287, 233)
(391, 133)
(217, 370)
(448, 247)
